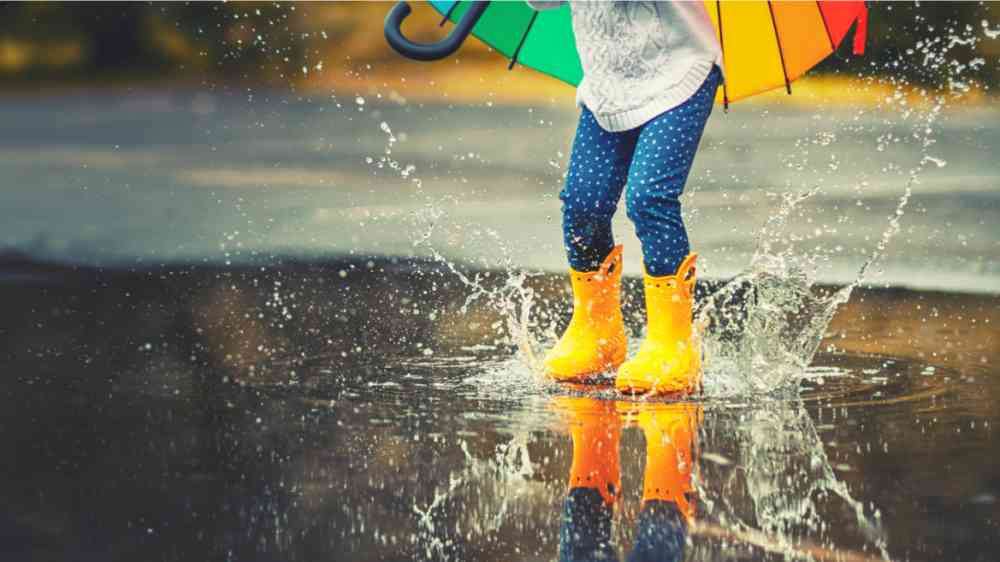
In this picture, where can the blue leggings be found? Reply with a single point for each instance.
(650, 163)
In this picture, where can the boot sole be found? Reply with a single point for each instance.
(606, 373)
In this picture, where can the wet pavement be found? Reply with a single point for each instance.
(377, 409)
(144, 178)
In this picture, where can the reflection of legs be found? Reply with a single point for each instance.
(594, 481)
(667, 506)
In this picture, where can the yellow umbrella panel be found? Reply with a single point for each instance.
(767, 45)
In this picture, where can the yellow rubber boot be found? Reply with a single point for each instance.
(669, 360)
(669, 431)
(594, 341)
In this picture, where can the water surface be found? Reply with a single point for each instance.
(369, 410)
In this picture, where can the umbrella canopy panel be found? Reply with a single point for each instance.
(542, 40)
(766, 44)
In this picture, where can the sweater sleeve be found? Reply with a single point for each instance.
(544, 4)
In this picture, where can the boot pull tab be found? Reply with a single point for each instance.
(612, 262)
(686, 272)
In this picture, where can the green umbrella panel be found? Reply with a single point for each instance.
(542, 40)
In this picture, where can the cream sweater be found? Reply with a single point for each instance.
(640, 58)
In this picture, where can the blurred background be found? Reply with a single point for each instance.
(317, 46)
(221, 333)
(137, 135)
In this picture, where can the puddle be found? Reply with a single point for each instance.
(296, 413)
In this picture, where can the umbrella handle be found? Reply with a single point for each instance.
(433, 51)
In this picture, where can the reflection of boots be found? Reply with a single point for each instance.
(667, 493)
(669, 430)
(669, 360)
(594, 341)
(594, 480)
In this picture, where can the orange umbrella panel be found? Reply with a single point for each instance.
(767, 45)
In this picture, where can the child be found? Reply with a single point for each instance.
(651, 70)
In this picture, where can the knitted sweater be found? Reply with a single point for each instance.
(640, 58)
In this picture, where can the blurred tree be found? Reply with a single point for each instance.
(897, 31)
(126, 41)
(273, 42)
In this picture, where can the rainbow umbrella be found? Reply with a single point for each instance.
(766, 44)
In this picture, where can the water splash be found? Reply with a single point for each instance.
(486, 492)
(777, 463)
(761, 330)
(766, 323)
(512, 297)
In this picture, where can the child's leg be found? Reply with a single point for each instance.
(594, 341)
(598, 169)
(660, 167)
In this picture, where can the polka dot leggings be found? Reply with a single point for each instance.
(650, 163)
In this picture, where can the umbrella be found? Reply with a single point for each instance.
(766, 44)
